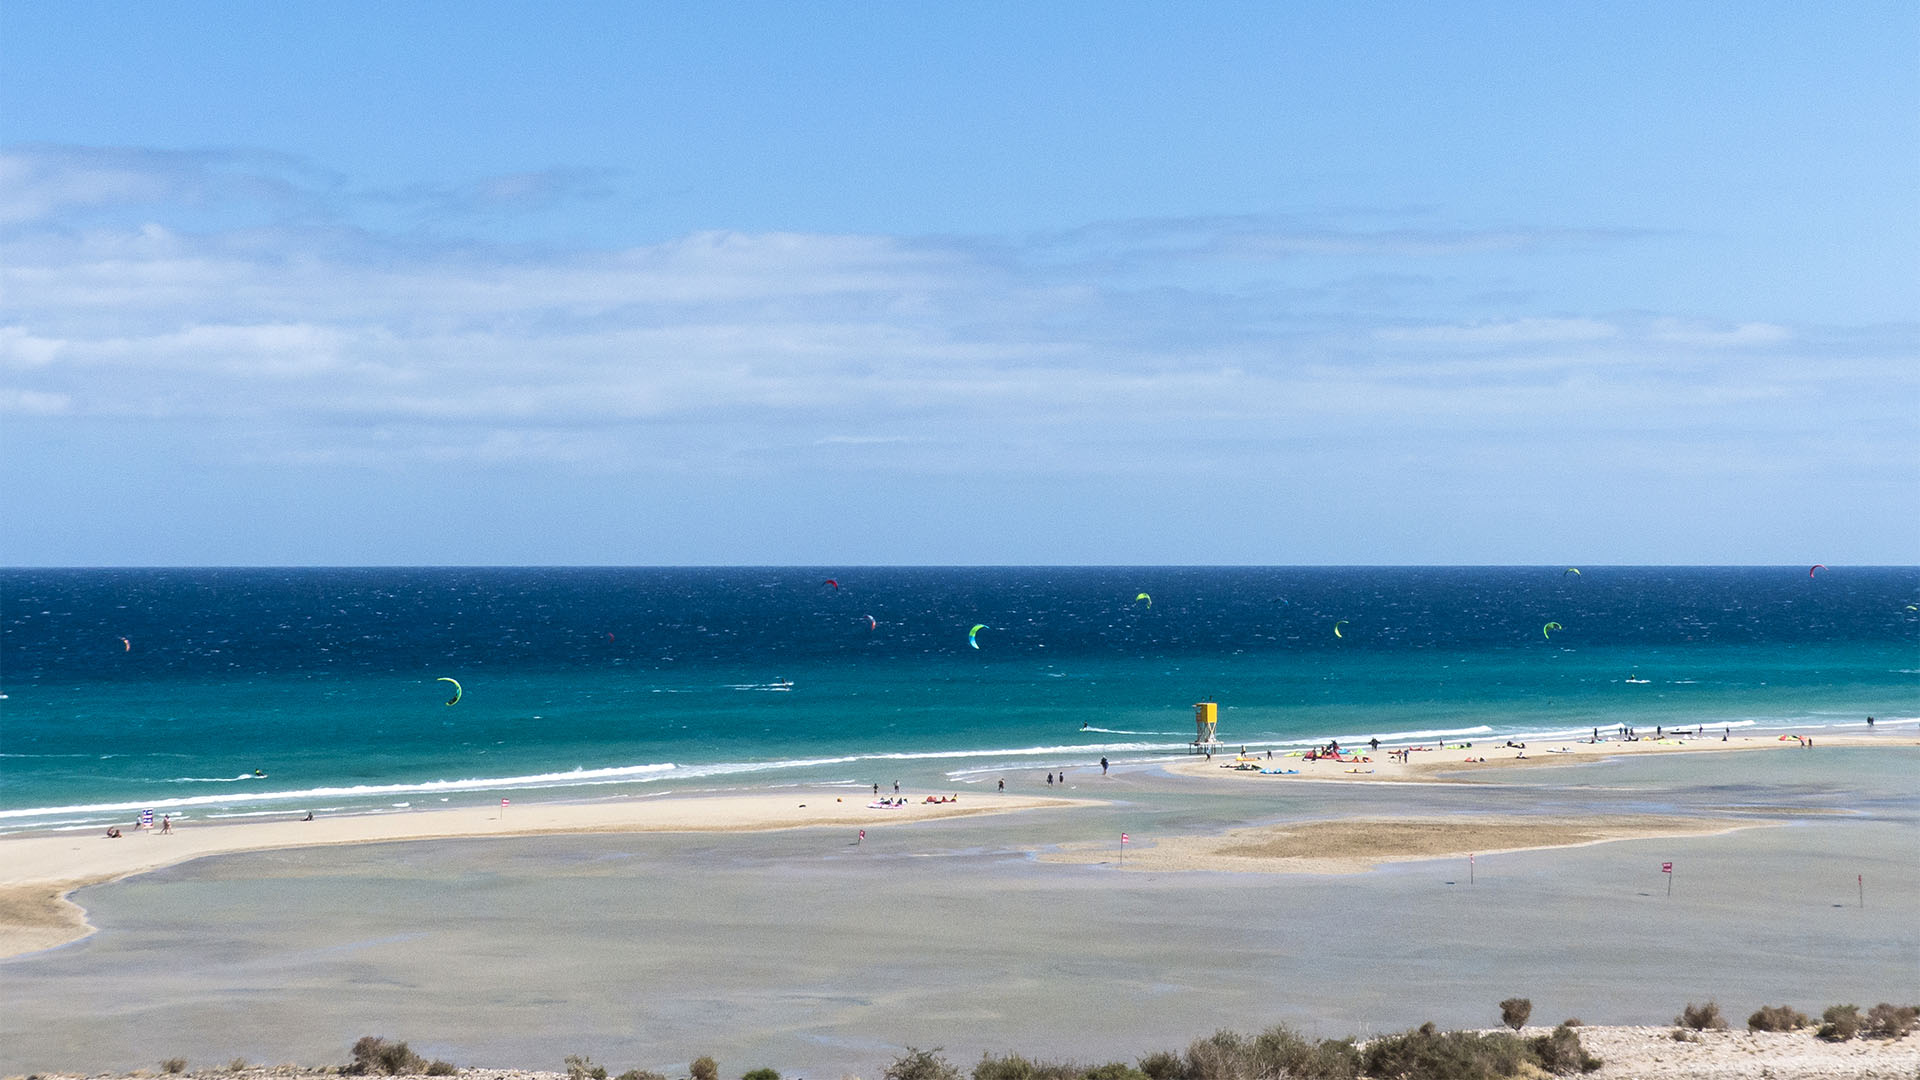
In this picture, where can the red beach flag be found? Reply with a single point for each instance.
(1123, 838)
(1666, 868)
(503, 802)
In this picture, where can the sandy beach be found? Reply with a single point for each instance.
(1457, 760)
(38, 871)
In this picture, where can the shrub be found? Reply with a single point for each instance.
(1841, 1022)
(1701, 1017)
(1220, 1056)
(1681, 1034)
(1429, 1054)
(1281, 1051)
(640, 1074)
(762, 1074)
(581, 1067)
(1161, 1065)
(1571, 1021)
(1113, 1070)
(1015, 1067)
(704, 1068)
(237, 1065)
(437, 1067)
(376, 1056)
(1514, 1012)
(1777, 1018)
(1560, 1052)
(1885, 1021)
(917, 1065)
(174, 1066)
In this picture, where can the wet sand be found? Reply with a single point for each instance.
(37, 872)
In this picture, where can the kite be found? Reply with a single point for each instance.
(1816, 566)
(1574, 570)
(1338, 625)
(455, 699)
(1550, 626)
(977, 627)
(833, 583)
(872, 623)
(125, 645)
(1144, 596)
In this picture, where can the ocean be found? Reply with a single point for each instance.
(214, 694)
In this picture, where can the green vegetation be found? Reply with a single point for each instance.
(640, 1074)
(1701, 1017)
(1777, 1018)
(375, 1056)
(1886, 1021)
(237, 1065)
(704, 1068)
(1514, 1012)
(1560, 1053)
(174, 1066)
(1839, 1023)
(581, 1067)
(762, 1074)
(921, 1065)
(1279, 1051)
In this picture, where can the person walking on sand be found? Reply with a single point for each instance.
(1003, 785)
(166, 824)
(1103, 766)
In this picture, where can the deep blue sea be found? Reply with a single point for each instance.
(169, 688)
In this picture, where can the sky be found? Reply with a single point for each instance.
(994, 283)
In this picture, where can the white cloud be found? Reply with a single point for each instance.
(315, 342)
(1530, 331)
(33, 402)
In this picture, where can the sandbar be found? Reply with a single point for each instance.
(38, 871)
(1352, 845)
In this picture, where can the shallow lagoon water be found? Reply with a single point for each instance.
(804, 951)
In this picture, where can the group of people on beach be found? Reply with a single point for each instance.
(143, 822)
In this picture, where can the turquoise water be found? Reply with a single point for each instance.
(167, 689)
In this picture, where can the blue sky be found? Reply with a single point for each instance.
(858, 283)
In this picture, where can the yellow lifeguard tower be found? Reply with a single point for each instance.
(1206, 717)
